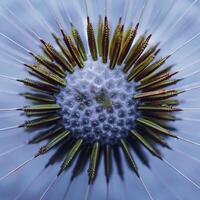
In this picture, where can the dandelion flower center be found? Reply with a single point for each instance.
(97, 103)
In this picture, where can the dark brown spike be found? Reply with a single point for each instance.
(39, 97)
(136, 52)
(45, 135)
(40, 77)
(147, 143)
(158, 108)
(127, 34)
(47, 74)
(107, 162)
(42, 121)
(79, 43)
(116, 47)
(57, 56)
(169, 102)
(59, 154)
(146, 61)
(164, 84)
(144, 122)
(146, 54)
(141, 67)
(42, 86)
(64, 50)
(72, 49)
(55, 68)
(162, 96)
(94, 162)
(156, 74)
(70, 155)
(53, 142)
(40, 113)
(139, 151)
(41, 108)
(157, 80)
(118, 161)
(157, 137)
(115, 35)
(129, 157)
(159, 115)
(157, 94)
(46, 53)
(126, 44)
(153, 67)
(81, 162)
(105, 40)
(91, 40)
(100, 36)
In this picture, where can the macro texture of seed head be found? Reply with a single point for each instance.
(97, 103)
(103, 92)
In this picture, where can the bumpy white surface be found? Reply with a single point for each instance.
(85, 116)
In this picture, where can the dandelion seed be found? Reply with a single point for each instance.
(118, 98)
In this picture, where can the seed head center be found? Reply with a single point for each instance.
(97, 103)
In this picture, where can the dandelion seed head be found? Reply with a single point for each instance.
(105, 80)
(98, 103)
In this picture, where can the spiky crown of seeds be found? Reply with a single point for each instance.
(139, 63)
